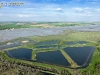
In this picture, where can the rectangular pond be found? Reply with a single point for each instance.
(79, 42)
(52, 46)
(47, 43)
(82, 42)
(16, 42)
(21, 53)
(81, 55)
(5, 46)
(71, 43)
(52, 57)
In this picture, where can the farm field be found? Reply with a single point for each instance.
(18, 25)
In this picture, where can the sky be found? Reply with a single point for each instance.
(51, 10)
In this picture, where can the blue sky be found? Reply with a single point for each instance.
(52, 10)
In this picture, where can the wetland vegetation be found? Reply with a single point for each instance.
(56, 54)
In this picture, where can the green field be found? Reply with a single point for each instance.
(18, 25)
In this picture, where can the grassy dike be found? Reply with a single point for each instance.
(38, 65)
(92, 66)
(12, 48)
(46, 66)
(34, 52)
(73, 64)
(92, 37)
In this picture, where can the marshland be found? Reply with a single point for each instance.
(68, 52)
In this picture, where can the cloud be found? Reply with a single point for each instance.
(84, 10)
(92, 0)
(0, 14)
(23, 15)
(48, 11)
(78, 9)
(27, 15)
(98, 9)
(87, 15)
(59, 10)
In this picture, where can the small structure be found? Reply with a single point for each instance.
(25, 41)
(9, 43)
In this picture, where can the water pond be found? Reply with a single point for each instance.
(47, 43)
(82, 42)
(23, 40)
(71, 43)
(5, 46)
(53, 46)
(81, 55)
(21, 53)
(79, 42)
(16, 42)
(52, 57)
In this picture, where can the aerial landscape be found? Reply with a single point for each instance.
(40, 38)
